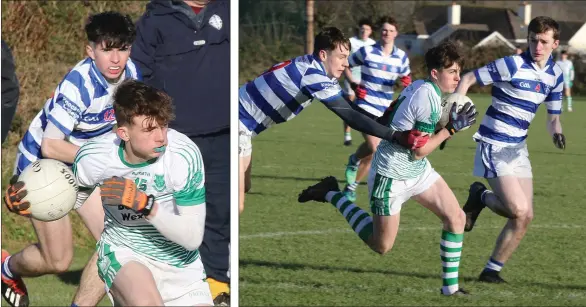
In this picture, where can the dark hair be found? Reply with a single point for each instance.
(564, 52)
(542, 24)
(134, 98)
(390, 20)
(443, 56)
(365, 21)
(329, 39)
(112, 28)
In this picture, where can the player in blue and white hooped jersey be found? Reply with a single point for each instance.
(520, 84)
(80, 110)
(381, 65)
(568, 69)
(356, 42)
(280, 93)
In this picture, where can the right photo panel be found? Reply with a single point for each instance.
(384, 153)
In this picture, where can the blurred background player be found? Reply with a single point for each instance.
(80, 110)
(356, 42)
(152, 189)
(521, 83)
(568, 70)
(399, 174)
(183, 48)
(10, 89)
(381, 65)
(284, 90)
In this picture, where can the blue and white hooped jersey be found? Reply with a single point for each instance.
(280, 93)
(378, 75)
(519, 87)
(81, 108)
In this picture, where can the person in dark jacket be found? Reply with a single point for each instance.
(10, 89)
(183, 48)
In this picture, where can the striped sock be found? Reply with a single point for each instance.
(450, 251)
(6, 269)
(569, 102)
(347, 136)
(493, 265)
(352, 186)
(354, 161)
(358, 219)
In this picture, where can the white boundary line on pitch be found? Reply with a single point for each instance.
(340, 230)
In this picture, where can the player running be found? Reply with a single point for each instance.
(283, 91)
(79, 110)
(356, 42)
(399, 174)
(568, 70)
(152, 188)
(381, 65)
(520, 84)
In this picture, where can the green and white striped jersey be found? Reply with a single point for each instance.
(175, 178)
(418, 107)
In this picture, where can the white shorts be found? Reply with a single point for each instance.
(388, 195)
(347, 89)
(492, 161)
(177, 286)
(244, 141)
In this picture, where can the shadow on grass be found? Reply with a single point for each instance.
(299, 266)
(71, 277)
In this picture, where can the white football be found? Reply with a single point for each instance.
(447, 103)
(51, 189)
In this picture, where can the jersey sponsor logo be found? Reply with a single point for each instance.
(525, 84)
(109, 115)
(69, 107)
(327, 85)
(159, 183)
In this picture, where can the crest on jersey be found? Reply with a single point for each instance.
(538, 88)
(159, 183)
(216, 21)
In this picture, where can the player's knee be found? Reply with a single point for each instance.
(521, 212)
(57, 261)
(59, 264)
(455, 220)
(382, 247)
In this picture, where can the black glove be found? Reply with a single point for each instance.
(461, 120)
(559, 140)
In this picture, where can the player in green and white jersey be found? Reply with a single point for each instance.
(398, 174)
(151, 181)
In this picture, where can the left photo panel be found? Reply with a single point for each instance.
(116, 153)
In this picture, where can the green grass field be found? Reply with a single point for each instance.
(293, 254)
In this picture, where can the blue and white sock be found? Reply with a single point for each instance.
(6, 269)
(493, 265)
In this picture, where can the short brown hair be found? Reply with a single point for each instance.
(329, 39)
(542, 24)
(443, 56)
(390, 20)
(134, 98)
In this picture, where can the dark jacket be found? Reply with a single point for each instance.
(187, 56)
(10, 89)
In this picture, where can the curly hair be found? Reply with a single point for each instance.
(329, 39)
(134, 98)
(443, 56)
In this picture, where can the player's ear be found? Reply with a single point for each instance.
(90, 51)
(323, 55)
(434, 73)
(122, 133)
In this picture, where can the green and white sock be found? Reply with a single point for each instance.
(347, 136)
(569, 98)
(358, 219)
(450, 251)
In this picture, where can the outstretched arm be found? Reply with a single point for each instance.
(466, 82)
(358, 121)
